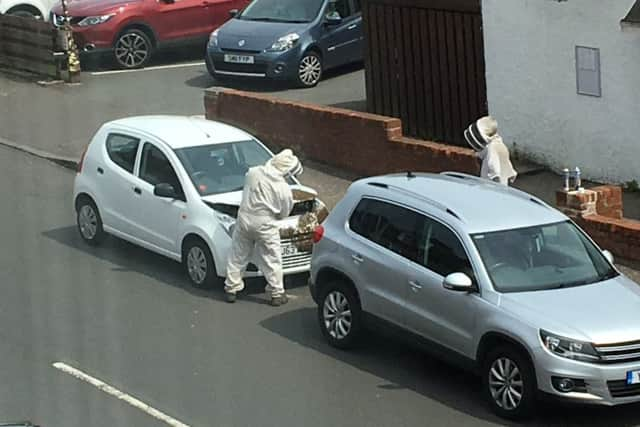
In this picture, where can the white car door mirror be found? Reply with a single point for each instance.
(458, 282)
(165, 190)
(608, 255)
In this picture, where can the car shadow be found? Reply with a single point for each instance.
(105, 62)
(127, 257)
(401, 367)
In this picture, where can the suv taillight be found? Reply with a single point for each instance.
(318, 233)
(81, 162)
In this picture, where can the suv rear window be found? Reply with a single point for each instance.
(390, 226)
(122, 150)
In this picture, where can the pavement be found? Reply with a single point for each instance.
(129, 318)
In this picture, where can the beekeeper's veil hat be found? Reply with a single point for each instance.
(481, 132)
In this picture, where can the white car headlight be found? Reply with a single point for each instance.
(285, 43)
(228, 223)
(571, 349)
(95, 20)
(213, 38)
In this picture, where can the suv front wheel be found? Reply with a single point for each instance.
(509, 383)
(340, 315)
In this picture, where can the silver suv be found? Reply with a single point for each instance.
(486, 276)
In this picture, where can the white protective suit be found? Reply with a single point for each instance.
(483, 137)
(266, 199)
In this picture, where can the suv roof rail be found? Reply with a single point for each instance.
(428, 200)
(377, 184)
(462, 175)
(513, 191)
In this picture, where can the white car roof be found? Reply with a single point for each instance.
(182, 131)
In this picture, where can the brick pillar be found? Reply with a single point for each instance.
(577, 204)
(609, 201)
(211, 103)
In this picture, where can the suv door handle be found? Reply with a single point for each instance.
(415, 286)
(357, 258)
(352, 26)
(137, 190)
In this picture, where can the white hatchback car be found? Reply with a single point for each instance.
(173, 185)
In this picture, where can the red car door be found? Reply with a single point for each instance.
(181, 19)
(219, 11)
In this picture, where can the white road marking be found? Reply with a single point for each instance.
(118, 394)
(158, 67)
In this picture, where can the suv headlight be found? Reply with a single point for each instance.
(285, 43)
(571, 349)
(213, 38)
(95, 20)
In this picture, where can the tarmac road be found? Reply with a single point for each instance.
(129, 318)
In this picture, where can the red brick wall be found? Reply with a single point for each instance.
(605, 224)
(365, 144)
(620, 236)
(609, 201)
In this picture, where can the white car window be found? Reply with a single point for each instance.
(122, 150)
(156, 169)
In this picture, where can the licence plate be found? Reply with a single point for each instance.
(289, 250)
(239, 59)
(633, 377)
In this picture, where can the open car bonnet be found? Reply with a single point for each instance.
(308, 212)
(228, 203)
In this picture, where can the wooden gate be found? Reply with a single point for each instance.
(424, 63)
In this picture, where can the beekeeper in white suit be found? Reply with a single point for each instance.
(266, 199)
(483, 137)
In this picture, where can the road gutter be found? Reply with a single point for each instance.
(67, 162)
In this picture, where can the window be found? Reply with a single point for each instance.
(390, 226)
(541, 257)
(444, 253)
(355, 6)
(588, 71)
(340, 6)
(122, 150)
(221, 168)
(156, 169)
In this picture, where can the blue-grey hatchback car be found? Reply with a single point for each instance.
(294, 40)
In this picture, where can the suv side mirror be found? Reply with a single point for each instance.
(609, 256)
(458, 282)
(333, 18)
(233, 13)
(165, 190)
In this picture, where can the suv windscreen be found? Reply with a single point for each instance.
(295, 11)
(541, 258)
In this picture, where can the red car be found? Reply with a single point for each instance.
(132, 30)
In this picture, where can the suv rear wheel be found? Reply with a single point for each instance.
(340, 315)
(509, 382)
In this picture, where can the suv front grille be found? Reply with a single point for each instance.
(622, 389)
(619, 353)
